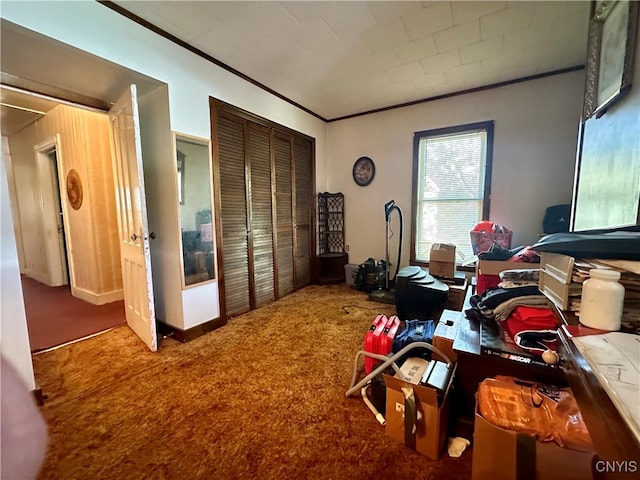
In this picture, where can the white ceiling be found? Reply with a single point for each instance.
(338, 58)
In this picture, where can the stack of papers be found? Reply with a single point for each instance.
(615, 359)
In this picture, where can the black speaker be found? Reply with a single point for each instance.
(556, 219)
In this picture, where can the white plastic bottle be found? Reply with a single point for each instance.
(602, 300)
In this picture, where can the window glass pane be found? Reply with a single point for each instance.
(453, 166)
(446, 222)
(450, 187)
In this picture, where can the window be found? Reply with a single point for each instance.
(451, 186)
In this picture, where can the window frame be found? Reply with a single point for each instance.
(488, 127)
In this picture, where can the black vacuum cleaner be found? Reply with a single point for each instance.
(415, 293)
(387, 295)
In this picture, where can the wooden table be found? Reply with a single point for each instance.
(612, 438)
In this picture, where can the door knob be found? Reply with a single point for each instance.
(152, 235)
(134, 237)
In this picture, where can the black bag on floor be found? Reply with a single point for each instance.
(370, 275)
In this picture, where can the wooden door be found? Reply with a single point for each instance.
(230, 166)
(284, 213)
(261, 215)
(303, 220)
(264, 189)
(135, 258)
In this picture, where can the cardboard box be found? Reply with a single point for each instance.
(494, 267)
(487, 272)
(431, 429)
(445, 333)
(457, 294)
(442, 260)
(504, 454)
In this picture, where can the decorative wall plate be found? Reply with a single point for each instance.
(363, 171)
(74, 189)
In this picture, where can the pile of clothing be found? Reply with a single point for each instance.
(518, 309)
(518, 254)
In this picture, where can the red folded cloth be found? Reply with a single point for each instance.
(529, 318)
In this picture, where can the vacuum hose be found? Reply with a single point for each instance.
(388, 362)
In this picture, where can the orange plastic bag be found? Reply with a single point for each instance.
(544, 411)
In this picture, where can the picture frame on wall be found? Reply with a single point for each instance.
(610, 54)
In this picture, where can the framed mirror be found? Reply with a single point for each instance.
(194, 187)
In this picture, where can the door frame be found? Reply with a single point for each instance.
(59, 266)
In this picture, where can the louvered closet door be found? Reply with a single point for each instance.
(303, 174)
(233, 215)
(284, 213)
(259, 147)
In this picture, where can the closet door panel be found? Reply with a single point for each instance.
(233, 214)
(303, 178)
(259, 147)
(284, 214)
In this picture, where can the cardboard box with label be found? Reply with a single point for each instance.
(509, 455)
(442, 260)
(431, 407)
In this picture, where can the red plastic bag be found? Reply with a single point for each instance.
(484, 234)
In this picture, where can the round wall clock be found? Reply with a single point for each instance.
(74, 189)
(363, 171)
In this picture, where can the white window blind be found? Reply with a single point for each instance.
(450, 190)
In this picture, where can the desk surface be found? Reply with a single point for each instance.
(611, 436)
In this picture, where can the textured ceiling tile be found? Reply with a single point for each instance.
(390, 10)
(386, 36)
(432, 79)
(218, 11)
(377, 62)
(481, 80)
(528, 37)
(319, 53)
(406, 72)
(458, 36)
(349, 19)
(315, 35)
(512, 18)
(428, 20)
(191, 18)
(464, 12)
(463, 71)
(478, 51)
(502, 62)
(441, 62)
(409, 52)
(304, 11)
(271, 18)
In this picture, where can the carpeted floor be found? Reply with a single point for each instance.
(262, 397)
(55, 317)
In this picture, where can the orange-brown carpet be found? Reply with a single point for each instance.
(262, 397)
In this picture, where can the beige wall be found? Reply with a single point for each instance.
(91, 231)
(536, 124)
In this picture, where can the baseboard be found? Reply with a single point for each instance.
(37, 276)
(191, 333)
(38, 395)
(97, 298)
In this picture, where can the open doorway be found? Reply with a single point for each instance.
(66, 298)
(52, 216)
